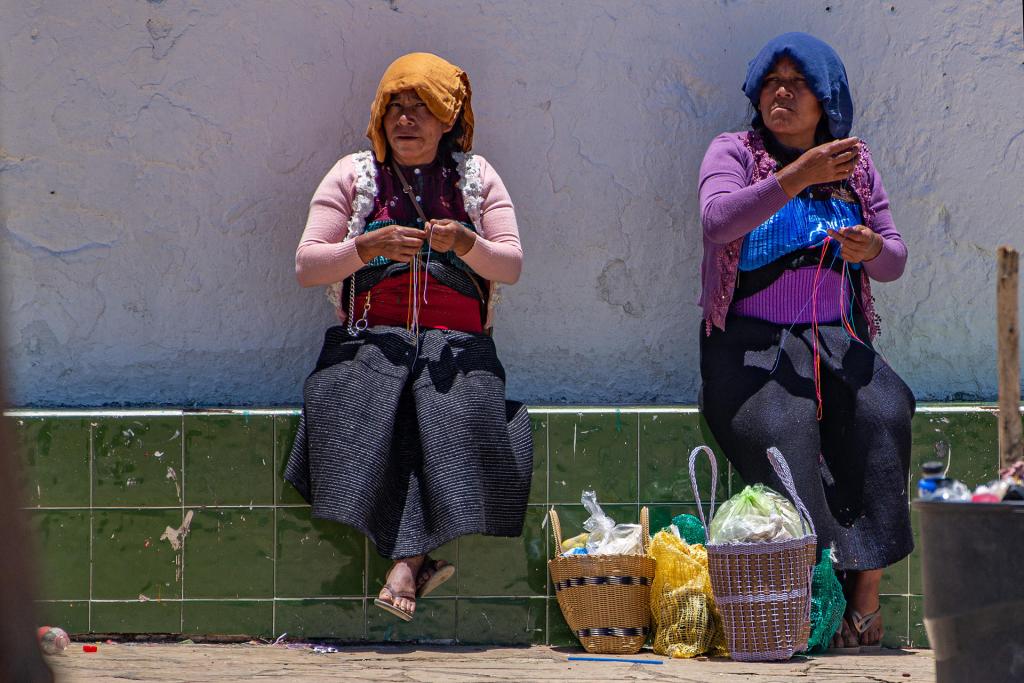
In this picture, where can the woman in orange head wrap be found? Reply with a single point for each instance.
(405, 433)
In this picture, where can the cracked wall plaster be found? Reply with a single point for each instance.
(157, 159)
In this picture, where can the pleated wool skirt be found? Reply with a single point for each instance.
(412, 447)
(850, 468)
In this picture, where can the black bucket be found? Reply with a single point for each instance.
(972, 562)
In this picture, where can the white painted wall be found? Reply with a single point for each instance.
(158, 157)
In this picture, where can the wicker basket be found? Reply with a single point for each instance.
(605, 599)
(763, 590)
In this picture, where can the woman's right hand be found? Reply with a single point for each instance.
(395, 242)
(822, 164)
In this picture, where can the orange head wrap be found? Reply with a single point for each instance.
(444, 88)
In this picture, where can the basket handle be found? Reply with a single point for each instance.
(714, 484)
(556, 529)
(781, 468)
(645, 528)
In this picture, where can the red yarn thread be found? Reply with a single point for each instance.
(814, 327)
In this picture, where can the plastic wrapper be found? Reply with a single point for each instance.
(579, 541)
(952, 492)
(607, 537)
(992, 492)
(755, 514)
(687, 622)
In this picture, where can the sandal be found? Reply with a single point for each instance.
(391, 607)
(432, 574)
(862, 622)
(845, 629)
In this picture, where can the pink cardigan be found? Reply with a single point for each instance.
(325, 257)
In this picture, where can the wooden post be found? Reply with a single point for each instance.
(1011, 441)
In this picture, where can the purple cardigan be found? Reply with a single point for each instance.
(739, 191)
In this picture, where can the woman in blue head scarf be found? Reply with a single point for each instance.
(796, 226)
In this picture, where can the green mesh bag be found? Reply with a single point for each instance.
(691, 529)
(827, 604)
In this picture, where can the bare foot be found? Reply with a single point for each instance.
(400, 585)
(845, 637)
(863, 608)
(870, 627)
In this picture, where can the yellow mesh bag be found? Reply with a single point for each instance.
(686, 620)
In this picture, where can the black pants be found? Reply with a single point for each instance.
(850, 468)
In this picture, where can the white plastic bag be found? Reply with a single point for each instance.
(607, 537)
(757, 513)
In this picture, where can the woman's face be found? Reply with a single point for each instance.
(413, 133)
(789, 109)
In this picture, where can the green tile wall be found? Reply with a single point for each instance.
(109, 493)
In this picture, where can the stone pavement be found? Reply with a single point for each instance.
(116, 663)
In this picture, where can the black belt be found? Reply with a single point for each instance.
(750, 282)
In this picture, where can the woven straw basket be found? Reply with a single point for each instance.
(763, 590)
(605, 599)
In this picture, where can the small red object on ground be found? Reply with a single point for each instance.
(89, 648)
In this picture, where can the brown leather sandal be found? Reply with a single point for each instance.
(432, 574)
(861, 623)
(389, 606)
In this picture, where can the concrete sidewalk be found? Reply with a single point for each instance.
(115, 663)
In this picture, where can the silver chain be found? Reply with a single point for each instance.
(354, 326)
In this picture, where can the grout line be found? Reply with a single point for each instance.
(685, 409)
(638, 469)
(612, 409)
(92, 530)
(147, 412)
(273, 456)
(261, 506)
(906, 606)
(366, 587)
(642, 502)
(458, 563)
(547, 533)
(184, 541)
(547, 464)
(324, 598)
(28, 412)
(455, 634)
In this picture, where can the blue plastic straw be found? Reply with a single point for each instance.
(614, 659)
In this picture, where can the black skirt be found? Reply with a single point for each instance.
(851, 468)
(412, 447)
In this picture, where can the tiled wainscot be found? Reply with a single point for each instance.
(169, 521)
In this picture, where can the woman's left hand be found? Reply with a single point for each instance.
(448, 235)
(859, 243)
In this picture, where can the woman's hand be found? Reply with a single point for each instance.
(448, 235)
(859, 243)
(395, 242)
(822, 164)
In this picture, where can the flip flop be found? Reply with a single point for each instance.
(851, 650)
(861, 623)
(390, 606)
(439, 572)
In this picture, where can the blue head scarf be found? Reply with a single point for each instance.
(820, 65)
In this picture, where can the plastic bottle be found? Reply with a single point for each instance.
(53, 640)
(934, 486)
(931, 475)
